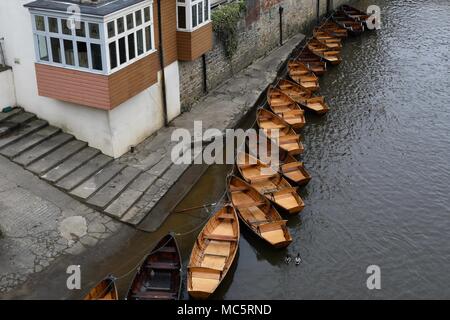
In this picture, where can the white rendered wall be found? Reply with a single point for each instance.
(7, 95)
(110, 131)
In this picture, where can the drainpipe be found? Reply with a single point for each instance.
(318, 11)
(205, 77)
(161, 61)
(280, 10)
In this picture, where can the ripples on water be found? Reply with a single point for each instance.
(381, 173)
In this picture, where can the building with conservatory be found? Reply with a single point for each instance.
(105, 71)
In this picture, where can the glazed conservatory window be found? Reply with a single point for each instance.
(95, 45)
(57, 44)
(130, 37)
(192, 14)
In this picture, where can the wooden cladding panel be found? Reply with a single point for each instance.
(192, 45)
(73, 86)
(128, 82)
(169, 29)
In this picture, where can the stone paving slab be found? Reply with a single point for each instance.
(132, 193)
(42, 149)
(57, 156)
(6, 115)
(29, 141)
(22, 132)
(70, 164)
(114, 187)
(85, 171)
(97, 181)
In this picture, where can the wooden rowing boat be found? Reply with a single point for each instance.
(284, 136)
(355, 14)
(104, 290)
(321, 50)
(334, 29)
(353, 26)
(291, 169)
(282, 105)
(256, 212)
(159, 276)
(331, 42)
(302, 75)
(305, 98)
(213, 253)
(275, 188)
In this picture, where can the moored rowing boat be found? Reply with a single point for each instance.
(213, 253)
(282, 105)
(305, 98)
(300, 73)
(104, 290)
(257, 213)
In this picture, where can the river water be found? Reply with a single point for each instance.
(380, 161)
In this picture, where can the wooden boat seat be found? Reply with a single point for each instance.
(218, 248)
(220, 237)
(238, 189)
(287, 190)
(274, 236)
(204, 279)
(213, 261)
(272, 225)
(226, 216)
(162, 265)
(271, 125)
(167, 250)
(291, 147)
(246, 205)
(289, 138)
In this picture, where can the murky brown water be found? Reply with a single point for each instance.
(380, 162)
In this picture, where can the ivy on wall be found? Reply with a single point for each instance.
(225, 20)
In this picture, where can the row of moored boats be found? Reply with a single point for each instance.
(257, 191)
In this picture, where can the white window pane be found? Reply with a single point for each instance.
(200, 12)
(80, 29)
(138, 16)
(56, 50)
(140, 42)
(53, 25)
(120, 25)
(82, 54)
(194, 16)
(130, 21)
(147, 14)
(40, 23)
(181, 17)
(148, 38)
(112, 55)
(65, 24)
(42, 47)
(68, 52)
(206, 10)
(111, 29)
(131, 48)
(96, 56)
(122, 51)
(94, 31)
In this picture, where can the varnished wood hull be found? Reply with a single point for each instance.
(159, 276)
(104, 290)
(213, 254)
(294, 171)
(352, 26)
(282, 105)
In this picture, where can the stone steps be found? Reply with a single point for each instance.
(70, 165)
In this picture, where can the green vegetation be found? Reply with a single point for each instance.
(225, 20)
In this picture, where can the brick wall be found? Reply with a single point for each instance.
(258, 34)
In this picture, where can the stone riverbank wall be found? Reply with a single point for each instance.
(258, 33)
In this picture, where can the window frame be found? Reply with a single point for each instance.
(103, 40)
(188, 4)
